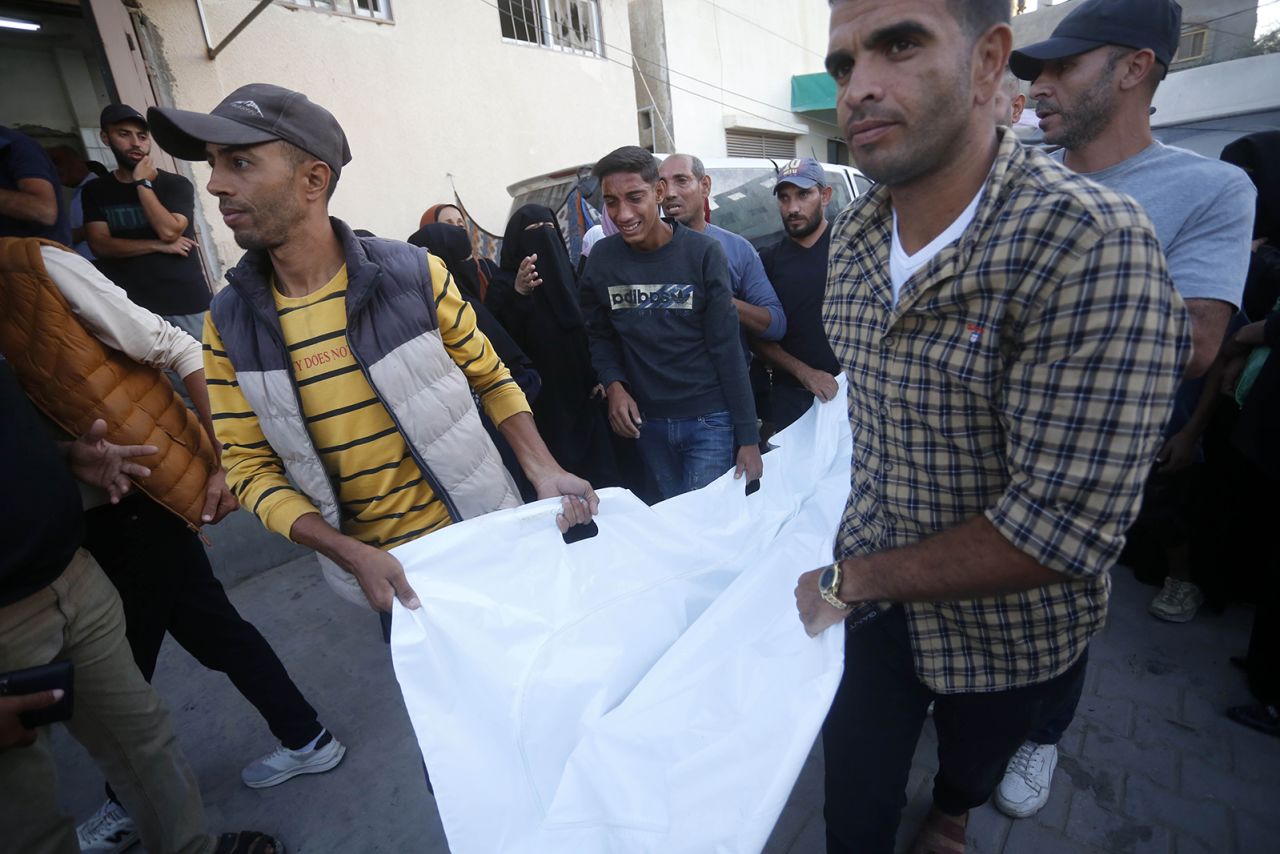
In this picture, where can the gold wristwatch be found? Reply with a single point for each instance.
(829, 586)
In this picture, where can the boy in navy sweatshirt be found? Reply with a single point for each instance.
(664, 336)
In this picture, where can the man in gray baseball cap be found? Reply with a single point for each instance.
(341, 368)
(251, 115)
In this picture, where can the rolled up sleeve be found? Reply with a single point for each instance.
(1086, 401)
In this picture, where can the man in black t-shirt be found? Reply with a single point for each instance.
(803, 364)
(138, 223)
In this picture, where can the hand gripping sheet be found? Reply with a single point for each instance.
(647, 690)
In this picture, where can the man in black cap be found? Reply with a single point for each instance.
(138, 223)
(341, 368)
(1094, 80)
(804, 367)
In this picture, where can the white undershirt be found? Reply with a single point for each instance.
(903, 266)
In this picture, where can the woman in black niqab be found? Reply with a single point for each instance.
(543, 317)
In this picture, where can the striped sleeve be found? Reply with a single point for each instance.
(255, 474)
(471, 350)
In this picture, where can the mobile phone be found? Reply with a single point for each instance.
(33, 680)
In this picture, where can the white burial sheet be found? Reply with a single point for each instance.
(650, 689)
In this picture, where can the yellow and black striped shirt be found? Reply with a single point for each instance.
(384, 498)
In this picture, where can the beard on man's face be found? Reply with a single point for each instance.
(124, 156)
(274, 216)
(802, 227)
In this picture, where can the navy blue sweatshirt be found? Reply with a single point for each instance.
(663, 324)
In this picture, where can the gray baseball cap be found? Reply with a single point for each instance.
(252, 114)
(803, 173)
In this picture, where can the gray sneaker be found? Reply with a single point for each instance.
(1177, 602)
(1025, 788)
(284, 764)
(108, 831)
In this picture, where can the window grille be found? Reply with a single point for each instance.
(741, 143)
(568, 25)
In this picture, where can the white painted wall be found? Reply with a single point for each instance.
(436, 94)
(736, 58)
(1232, 88)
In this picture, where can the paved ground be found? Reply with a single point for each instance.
(1150, 765)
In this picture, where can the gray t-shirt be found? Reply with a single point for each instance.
(1202, 210)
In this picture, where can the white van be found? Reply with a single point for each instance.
(742, 198)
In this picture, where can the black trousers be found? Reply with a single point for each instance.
(790, 403)
(1057, 716)
(1263, 662)
(874, 724)
(166, 584)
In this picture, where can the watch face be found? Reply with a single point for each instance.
(827, 580)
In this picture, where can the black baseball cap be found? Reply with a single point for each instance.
(1153, 24)
(259, 112)
(113, 114)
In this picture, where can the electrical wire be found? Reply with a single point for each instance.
(536, 27)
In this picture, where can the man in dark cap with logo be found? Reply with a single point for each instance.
(804, 367)
(1094, 80)
(137, 221)
(341, 368)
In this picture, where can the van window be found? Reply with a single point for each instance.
(742, 200)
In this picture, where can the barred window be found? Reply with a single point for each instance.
(569, 25)
(378, 10)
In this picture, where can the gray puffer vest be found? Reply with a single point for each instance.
(394, 334)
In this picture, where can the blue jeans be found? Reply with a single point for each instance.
(683, 454)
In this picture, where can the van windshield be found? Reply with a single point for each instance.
(742, 201)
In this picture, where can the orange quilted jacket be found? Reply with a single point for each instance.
(74, 379)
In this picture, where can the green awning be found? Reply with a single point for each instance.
(812, 93)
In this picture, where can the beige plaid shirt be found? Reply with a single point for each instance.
(1025, 374)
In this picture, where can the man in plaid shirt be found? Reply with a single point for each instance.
(1012, 343)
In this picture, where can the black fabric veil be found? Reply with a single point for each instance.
(559, 288)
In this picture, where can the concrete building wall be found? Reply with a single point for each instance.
(653, 84)
(435, 96)
(731, 64)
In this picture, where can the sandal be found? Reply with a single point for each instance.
(941, 834)
(248, 842)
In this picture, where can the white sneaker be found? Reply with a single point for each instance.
(1177, 602)
(1025, 788)
(284, 764)
(108, 831)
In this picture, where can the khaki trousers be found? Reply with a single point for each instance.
(117, 717)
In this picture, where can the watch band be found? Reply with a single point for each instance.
(145, 182)
(830, 595)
